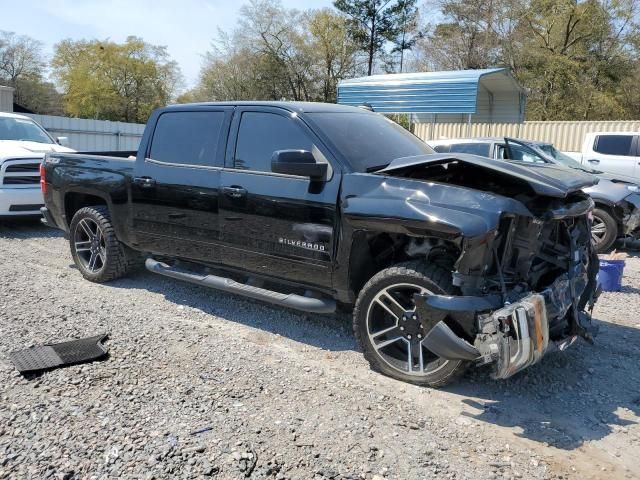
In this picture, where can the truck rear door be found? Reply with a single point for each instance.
(274, 224)
(614, 153)
(175, 184)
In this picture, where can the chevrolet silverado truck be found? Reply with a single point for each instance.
(446, 260)
(23, 144)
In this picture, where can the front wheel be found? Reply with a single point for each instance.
(391, 333)
(96, 251)
(604, 230)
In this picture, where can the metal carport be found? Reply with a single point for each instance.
(479, 96)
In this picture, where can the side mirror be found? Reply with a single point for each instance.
(298, 162)
(64, 141)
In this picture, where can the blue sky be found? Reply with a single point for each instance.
(186, 27)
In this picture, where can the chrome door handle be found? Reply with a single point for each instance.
(145, 182)
(234, 191)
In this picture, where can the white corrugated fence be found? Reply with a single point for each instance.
(566, 136)
(93, 135)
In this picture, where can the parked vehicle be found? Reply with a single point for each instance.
(449, 259)
(23, 144)
(617, 203)
(615, 153)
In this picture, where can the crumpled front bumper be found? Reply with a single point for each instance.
(512, 336)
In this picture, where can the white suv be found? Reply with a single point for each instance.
(617, 153)
(23, 144)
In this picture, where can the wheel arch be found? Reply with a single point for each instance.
(373, 251)
(74, 200)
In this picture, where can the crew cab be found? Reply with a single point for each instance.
(615, 153)
(617, 203)
(447, 260)
(23, 144)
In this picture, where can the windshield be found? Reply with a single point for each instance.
(368, 141)
(560, 157)
(22, 129)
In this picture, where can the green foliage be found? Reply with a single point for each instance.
(111, 81)
(372, 23)
(576, 59)
(22, 65)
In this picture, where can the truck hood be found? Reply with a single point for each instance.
(17, 149)
(544, 179)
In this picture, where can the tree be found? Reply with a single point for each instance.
(20, 56)
(576, 56)
(465, 39)
(22, 66)
(107, 80)
(407, 33)
(334, 49)
(371, 24)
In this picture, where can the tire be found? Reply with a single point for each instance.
(370, 319)
(91, 235)
(604, 230)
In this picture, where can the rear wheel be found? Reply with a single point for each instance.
(96, 251)
(389, 330)
(604, 230)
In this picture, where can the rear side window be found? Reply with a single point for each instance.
(263, 133)
(613, 144)
(481, 149)
(187, 138)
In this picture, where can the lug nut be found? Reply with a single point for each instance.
(414, 317)
(402, 328)
(409, 337)
(419, 335)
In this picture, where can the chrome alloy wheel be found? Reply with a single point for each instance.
(90, 245)
(397, 332)
(598, 230)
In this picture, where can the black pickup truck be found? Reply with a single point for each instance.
(447, 259)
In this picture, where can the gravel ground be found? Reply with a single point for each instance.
(284, 395)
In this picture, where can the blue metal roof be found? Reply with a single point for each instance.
(428, 92)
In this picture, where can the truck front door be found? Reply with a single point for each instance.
(175, 186)
(273, 224)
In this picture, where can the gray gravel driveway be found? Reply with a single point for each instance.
(203, 384)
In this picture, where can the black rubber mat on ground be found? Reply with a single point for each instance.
(46, 357)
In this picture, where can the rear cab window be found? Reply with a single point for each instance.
(614, 145)
(188, 138)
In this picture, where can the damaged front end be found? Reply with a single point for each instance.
(524, 291)
(526, 286)
(631, 216)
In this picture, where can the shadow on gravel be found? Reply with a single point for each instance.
(27, 227)
(329, 332)
(570, 398)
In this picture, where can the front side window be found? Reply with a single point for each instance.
(613, 144)
(261, 133)
(187, 138)
(23, 130)
(522, 154)
(368, 141)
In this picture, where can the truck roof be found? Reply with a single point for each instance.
(305, 107)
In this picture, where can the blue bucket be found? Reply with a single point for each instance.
(610, 275)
